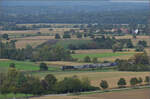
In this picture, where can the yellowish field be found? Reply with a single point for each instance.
(63, 63)
(24, 43)
(57, 30)
(42, 30)
(20, 32)
(33, 41)
(127, 94)
(112, 59)
(36, 38)
(111, 77)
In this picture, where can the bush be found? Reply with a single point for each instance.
(139, 48)
(140, 80)
(12, 65)
(104, 84)
(43, 67)
(122, 83)
(95, 60)
(87, 59)
(66, 35)
(74, 85)
(134, 81)
(143, 43)
(147, 79)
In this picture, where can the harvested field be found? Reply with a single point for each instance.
(112, 59)
(111, 77)
(127, 94)
(20, 32)
(36, 38)
(33, 41)
(95, 77)
(57, 30)
(63, 63)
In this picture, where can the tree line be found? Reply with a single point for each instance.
(103, 43)
(139, 62)
(8, 50)
(122, 83)
(15, 81)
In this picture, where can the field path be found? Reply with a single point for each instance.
(128, 94)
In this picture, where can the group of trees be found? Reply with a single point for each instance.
(88, 59)
(8, 50)
(122, 82)
(141, 45)
(103, 43)
(18, 82)
(139, 62)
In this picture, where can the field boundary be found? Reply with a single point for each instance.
(114, 90)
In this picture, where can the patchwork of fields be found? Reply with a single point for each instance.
(111, 75)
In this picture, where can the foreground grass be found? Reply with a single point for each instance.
(8, 96)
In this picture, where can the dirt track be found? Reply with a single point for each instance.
(130, 94)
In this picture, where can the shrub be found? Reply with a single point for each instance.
(66, 35)
(87, 59)
(122, 83)
(104, 84)
(12, 65)
(95, 60)
(147, 79)
(133, 81)
(43, 67)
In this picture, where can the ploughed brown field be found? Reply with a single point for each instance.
(128, 94)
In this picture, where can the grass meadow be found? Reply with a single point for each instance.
(23, 66)
(105, 56)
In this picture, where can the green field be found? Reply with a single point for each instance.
(20, 65)
(101, 55)
(23, 65)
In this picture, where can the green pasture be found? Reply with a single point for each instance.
(23, 66)
(20, 65)
(101, 55)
